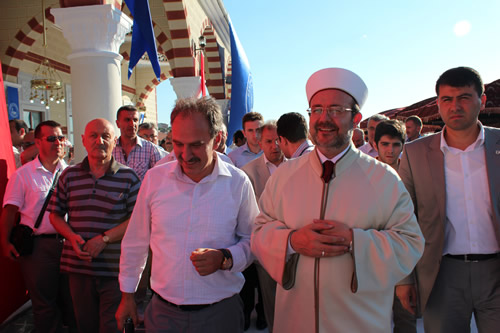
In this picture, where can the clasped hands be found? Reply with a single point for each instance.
(322, 238)
(89, 249)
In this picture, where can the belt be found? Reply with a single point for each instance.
(48, 236)
(189, 307)
(473, 257)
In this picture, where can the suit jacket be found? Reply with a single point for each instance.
(422, 171)
(258, 173)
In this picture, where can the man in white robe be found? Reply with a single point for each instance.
(348, 257)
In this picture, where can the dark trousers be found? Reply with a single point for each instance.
(247, 293)
(460, 290)
(95, 300)
(48, 289)
(225, 316)
(404, 322)
(268, 288)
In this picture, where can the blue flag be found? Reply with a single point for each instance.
(143, 37)
(241, 85)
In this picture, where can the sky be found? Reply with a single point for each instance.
(399, 48)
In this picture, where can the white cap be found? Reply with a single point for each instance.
(337, 78)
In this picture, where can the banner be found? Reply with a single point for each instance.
(202, 72)
(143, 37)
(13, 103)
(241, 85)
(12, 289)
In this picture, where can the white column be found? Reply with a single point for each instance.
(185, 87)
(95, 34)
(224, 106)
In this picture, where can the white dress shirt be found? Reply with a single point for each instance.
(27, 189)
(175, 216)
(469, 223)
(271, 166)
(369, 150)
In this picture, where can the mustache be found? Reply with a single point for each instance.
(191, 160)
(325, 124)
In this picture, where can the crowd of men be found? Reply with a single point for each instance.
(334, 231)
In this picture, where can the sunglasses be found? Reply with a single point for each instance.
(53, 138)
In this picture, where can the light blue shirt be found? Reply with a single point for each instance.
(243, 155)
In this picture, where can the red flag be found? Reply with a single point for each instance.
(12, 288)
(202, 74)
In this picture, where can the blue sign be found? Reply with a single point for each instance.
(13, 102)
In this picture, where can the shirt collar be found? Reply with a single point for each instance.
(113, 167)
(478, 143)
(61, 164)
(323, 158)
(138, 141)
(267, 161)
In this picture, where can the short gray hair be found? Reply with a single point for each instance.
(206, 106)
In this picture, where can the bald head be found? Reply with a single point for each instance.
(358, 137)
(99, 140)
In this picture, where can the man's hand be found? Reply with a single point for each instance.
(206, 261)
(76, 242)
(337, 229)
(127, 308)
(94, 246)
(319, 240)
(407, 295)
(9, 251)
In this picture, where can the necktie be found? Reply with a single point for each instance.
(328, 167)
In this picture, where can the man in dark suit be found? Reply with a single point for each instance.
(454, 180)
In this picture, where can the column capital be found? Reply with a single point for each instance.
(93, 29)
(187, 86)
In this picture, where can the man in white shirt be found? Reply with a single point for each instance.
(18, 130)
(199, 250)
(249, 151)
(369, 147)
(454, 180)
(25, 194)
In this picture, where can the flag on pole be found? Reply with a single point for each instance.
(202, 74)
(143, 37)
(241, 85)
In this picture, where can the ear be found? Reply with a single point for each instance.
(116, 121)
(357, 119)
(483, 102)
(217, 140)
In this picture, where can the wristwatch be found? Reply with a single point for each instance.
(227, 261)
(105, 238)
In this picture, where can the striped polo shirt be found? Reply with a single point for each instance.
(94, 206)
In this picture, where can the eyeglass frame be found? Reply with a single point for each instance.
(332, 111)
(53, 138)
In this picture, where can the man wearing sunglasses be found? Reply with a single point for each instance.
(25, 194)
(336, 262)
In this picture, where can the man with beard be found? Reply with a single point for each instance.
(336, 262)
(97, 196)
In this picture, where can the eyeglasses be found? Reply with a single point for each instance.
(53, 138)
(333, 111)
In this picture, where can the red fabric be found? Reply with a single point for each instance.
(12, 289)
(202, 70)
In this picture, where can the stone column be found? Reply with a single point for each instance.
(95, 34)
(188, 86)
